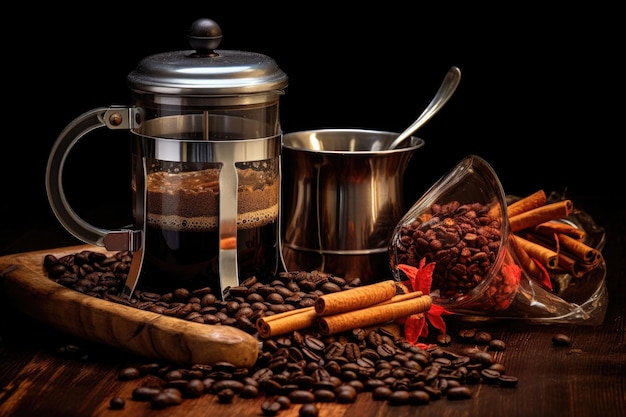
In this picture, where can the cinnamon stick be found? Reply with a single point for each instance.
(577, 248)
(355, 298)
(551, 227)
(570, 265)
(290, 321)
(558, 210)
(286, 322)
(380, 313)
(528, 263)
(547, 257)
(530, 202)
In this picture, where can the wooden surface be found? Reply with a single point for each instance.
(587, 378)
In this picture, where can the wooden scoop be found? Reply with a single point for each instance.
(24, 284)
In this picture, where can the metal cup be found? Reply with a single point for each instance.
(341, 198)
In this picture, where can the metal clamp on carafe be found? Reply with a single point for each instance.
(206, 145)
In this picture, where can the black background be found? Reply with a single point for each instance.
(540, 96)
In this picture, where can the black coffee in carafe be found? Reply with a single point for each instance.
(182, 225)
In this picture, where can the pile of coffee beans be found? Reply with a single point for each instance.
(462, 239)
(302, 367)
(96, 274)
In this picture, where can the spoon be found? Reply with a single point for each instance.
(447, 88)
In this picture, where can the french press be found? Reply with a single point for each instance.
(206, 144)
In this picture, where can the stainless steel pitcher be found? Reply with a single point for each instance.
(342, 196)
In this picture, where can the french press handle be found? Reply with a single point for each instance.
(115, 117)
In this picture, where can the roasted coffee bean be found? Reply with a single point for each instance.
(330, 287)
(314, 343)
(165, 399)
(334, 350)
(444, 339)
(443, 361)
(497, 345)
(352, 351)
(226, 395)
(346, 393)
(479, 356)
(561, 339)
(398, 398)
(324, 395)
(283, 401)
(174, 374)
(299, 396)
(418, 397)
(128, 374)
(433, 393)
(374, 338)
(179, 384)
(458, 393)
(308, 410)
(490, 376)
(234, 385)
(482, 338)
(372, 383)
(365, 362)
(117, 403)
(507, 381)
(357, 384)
(240, 291)
(498, 367)
(467, 335)
(194, 388)
(381, 392)
(249, 391)
(310, 355)
(145, 393)
(385, 350)
(270, 408)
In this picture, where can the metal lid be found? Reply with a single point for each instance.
(206, 70)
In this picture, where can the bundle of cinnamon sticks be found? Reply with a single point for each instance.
(541, 235)
(362, 306)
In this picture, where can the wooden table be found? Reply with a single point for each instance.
(587, 378)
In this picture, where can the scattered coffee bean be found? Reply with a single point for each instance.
(398, 398)
(270, 408)
(226, 395)
(300, 396)
(127, 374)
(459, 393)
(308, 410)
(381, 393)
(444, 339)
(482, 338)
(561, 339)
(419, 397)
(283, 401)
(490, 376)
(166, 398)
(497, 345)
(507, 381)
(117, 403)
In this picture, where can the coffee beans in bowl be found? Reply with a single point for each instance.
(458, 226)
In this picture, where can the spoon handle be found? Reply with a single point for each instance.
(447, 88)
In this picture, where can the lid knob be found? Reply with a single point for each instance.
(204, 36)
